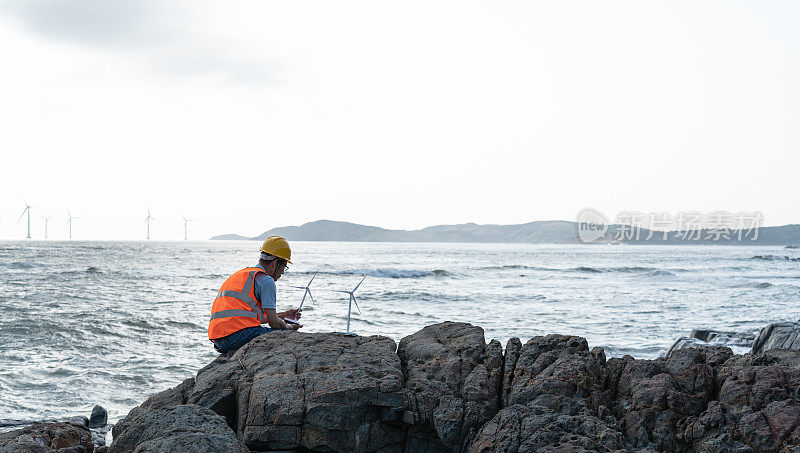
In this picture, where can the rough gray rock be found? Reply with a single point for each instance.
(168, 398)
(446, 389)
(513, 348)
(47, 437)
(453, 381)
(781, 335)
(293, 390)
(99, 417)
(655, 399)
(710, 336)
(706, 338)
(178, 428)
(557, 401)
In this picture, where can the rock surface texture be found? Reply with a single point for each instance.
(445, 389)
(47, 437)
(781, 335)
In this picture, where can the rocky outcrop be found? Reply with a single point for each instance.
(452, 385)
(445, 389)
(292, 390)
(557, 401)
(705, 338)
(178, 428)
(48, 437)
(782, 335)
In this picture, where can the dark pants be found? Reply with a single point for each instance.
(239, 338)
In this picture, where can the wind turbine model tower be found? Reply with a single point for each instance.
(307, 292)
(350, 304)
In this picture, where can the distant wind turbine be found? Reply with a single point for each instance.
(28, 211)
(69, 222)
(147, 221)
(307, 292)
(46, 221)
(352, 301)
(185, 227)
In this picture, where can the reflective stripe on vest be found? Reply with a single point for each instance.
(235, 307)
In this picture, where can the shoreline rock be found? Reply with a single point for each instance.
(68, 435)
(446, 389)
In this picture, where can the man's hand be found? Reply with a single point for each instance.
(294, 313)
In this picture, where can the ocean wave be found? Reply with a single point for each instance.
(661, 273)
(518, 266)
(774, 258)
(388, 272)
(588, 269)
(652, 271)
(20, 265)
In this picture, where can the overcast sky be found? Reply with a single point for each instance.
(251, 115)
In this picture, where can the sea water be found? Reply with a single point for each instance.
(110, 323)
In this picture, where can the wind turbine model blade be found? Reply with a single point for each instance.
(302, 300)
(359, 283)
(312, 278)
(340, 291)
(354, 301)
(312, 297)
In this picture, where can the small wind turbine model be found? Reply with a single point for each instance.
(350, 305)
(307, 292)
(46, 221)
(28, 211)
(147, 221)
(70, 218)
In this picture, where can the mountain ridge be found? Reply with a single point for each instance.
(536, 232)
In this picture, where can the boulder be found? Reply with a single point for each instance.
(177, 428)
(47, 437)
(781, 335)
(453, 385)
(294, 390)
(99, 417)
(168, 398)
(706, 338)
(717, 336)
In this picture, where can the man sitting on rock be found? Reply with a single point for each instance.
(247, 299)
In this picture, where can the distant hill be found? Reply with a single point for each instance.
(229, 237)
(541, 232)
(329, 230)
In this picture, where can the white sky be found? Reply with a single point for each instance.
(251, 115)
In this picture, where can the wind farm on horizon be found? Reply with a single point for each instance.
(37, 224)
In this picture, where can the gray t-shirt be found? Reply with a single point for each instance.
(265, 290)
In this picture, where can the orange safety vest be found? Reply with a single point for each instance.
(236, 306)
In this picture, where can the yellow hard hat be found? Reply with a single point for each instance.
(278, 246)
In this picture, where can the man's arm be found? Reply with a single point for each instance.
(276, 322)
